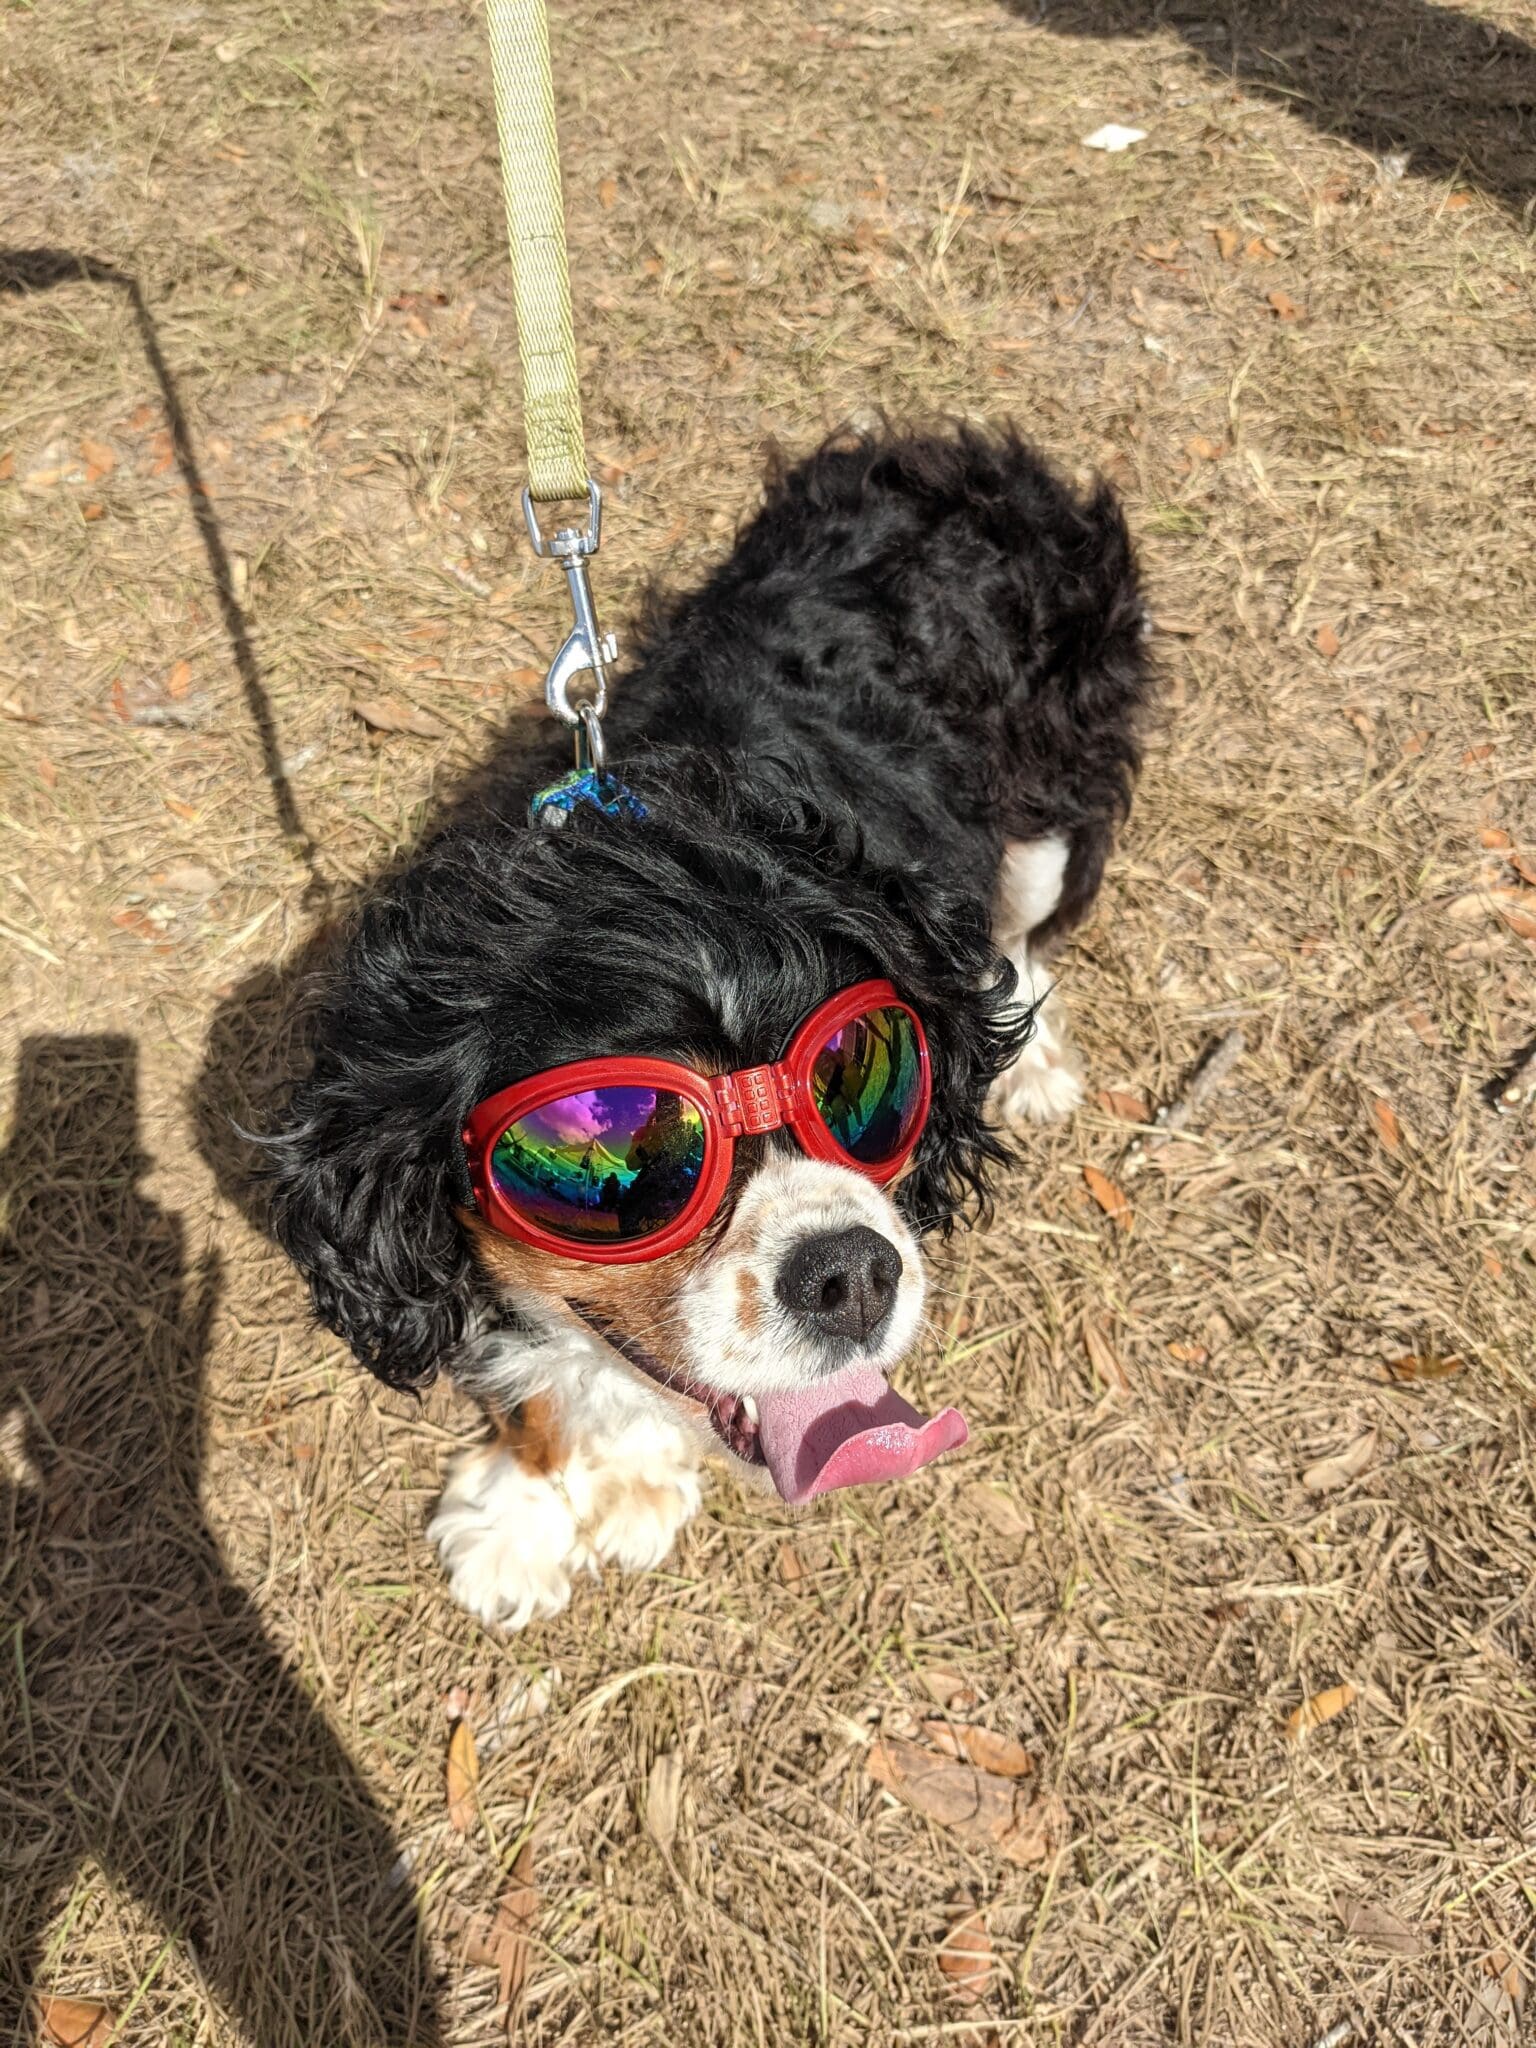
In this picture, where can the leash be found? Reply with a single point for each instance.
(546, 345)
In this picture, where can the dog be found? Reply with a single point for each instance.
(636, 1127)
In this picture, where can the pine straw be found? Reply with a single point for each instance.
(779, 219)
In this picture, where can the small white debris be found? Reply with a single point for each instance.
(1113, 137)
(1393, 168)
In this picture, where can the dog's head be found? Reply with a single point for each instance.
(704, 934)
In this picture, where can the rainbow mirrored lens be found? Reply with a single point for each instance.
(867, 1085)
(607, 1165)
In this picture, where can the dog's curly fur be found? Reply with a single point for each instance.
(921, 648)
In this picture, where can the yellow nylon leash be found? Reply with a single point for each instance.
(546, 345)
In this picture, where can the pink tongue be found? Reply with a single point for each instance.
(849, 1430)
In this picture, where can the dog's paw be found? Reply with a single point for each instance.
(507, 1539)
(1041, 1087)
(637, 1520)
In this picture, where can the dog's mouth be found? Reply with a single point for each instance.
(850, 1429)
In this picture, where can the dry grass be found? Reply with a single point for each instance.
(779, 217)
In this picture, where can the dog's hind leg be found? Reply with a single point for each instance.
(1045, 1082)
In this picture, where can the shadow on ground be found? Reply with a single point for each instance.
(1453, 94)
(146, 1723)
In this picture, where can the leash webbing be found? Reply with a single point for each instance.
(541, 289)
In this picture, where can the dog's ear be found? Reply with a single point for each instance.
(364, 1181)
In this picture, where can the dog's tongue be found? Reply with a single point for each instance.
(850, 1430)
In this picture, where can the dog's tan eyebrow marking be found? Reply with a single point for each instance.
(530, 1435)
(749, 1306)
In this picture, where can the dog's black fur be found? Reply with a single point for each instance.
(921, 648)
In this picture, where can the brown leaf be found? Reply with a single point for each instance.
(74, 2022)
(1122, 1103)
(1387, 1127)
(663, 1793)
(607, 193)
(1493, 1265)
(1257, 250)
(1228, 242)
(1423, 1026)
(99, 459)
(1494, 836)
(948, 1689)
(1284, 307)
(516, 1911)
(791, 1566)
(1161, 252)
(7, 465)
(1327, 642)
(1525, 869)
(1457, 201)
(1425, 1366)
(179, 681)
(187, 812)
(1204, 449)
(1380, 1927)
(1480, 902)
(999, 1754)
(1188, 1354)
(463, 1777)
(1110, 1198)
(999, 1510)
(965, 1957)
(47, 772)
(1321, 1707)
(1329, 1474)
(1521, 923)
(393, 714)
(1105, 1360)
(977, 1808)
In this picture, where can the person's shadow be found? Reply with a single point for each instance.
(1455, 95)
(147, 1726)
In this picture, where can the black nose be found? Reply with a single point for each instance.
(842, 1283)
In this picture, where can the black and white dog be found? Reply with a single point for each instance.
(568, 1132)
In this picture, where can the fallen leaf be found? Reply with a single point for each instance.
(1505, 1972)
(1228, 242)
(1387, 1126)
(1285, 308)
(1120, 1102)
(1525, 869)
(188, 878)
(99, 459)
(1161, 252)
(7, 465)
(1423, 1026)
(463, 1777)
(607, 193)
(1380, 1927)
(1110, 1198)
(1493, 1265)
(1203, 449)
(1456, 201)
(393, 714)
(1425, 1365)
(1257, 250)
(663, 1793)
(948, 1689)
(1327, 642)
(1493, 836)
(1329, 1474)
(516, 1911)
(1188, 1354)
(179, 681)
(978, 1809)
(188, 812)
(791, 1567)
(999, 1511)
(1521, 923)
(965, 1958)
(1321, 1707)
(1480, 902)
(1105, 1360)
(290, 423)
(74, 2022)
(93, 511)
(1474, 755)
(999, 1754)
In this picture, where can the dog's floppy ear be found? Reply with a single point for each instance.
(365, 1176)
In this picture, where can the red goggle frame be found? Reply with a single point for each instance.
(728, 1106)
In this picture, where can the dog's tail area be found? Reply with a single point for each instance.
(1021, 617)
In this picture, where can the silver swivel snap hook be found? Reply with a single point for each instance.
(585, 649)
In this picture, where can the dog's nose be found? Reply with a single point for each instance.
(841, 1283)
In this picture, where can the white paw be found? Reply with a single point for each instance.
(638, 1521)
(1034, 1091)
(507, 1539)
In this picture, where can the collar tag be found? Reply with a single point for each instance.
(552, 806)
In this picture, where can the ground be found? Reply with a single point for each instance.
(1265, 1437)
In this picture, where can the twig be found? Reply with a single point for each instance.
(1207, 1077)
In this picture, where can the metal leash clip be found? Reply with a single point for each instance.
(585, 649)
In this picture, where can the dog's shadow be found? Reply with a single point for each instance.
(148, 1727)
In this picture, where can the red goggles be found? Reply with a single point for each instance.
(619, 1160)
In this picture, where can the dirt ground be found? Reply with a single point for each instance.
(1266, 1440)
